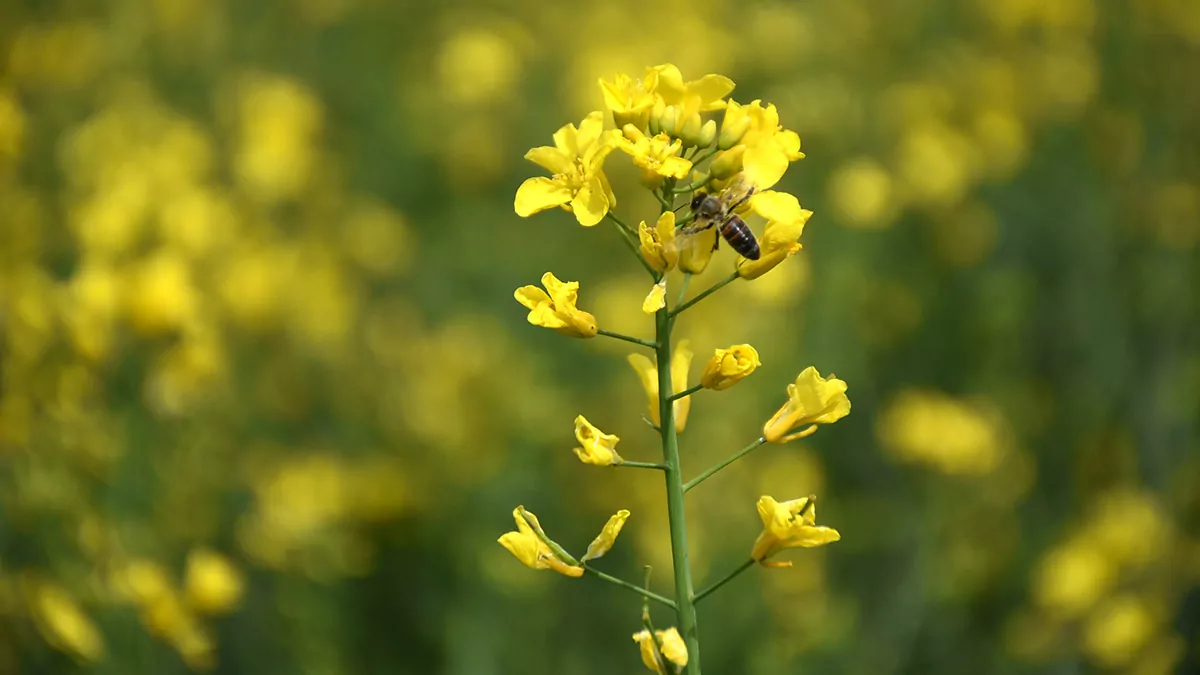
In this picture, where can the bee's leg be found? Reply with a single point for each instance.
(695, 228)
(741, 201)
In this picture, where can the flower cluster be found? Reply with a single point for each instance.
(669, 129)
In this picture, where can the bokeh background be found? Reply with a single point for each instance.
(266, 401)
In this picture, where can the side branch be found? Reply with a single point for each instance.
(627, 338)
(709, 472)
(645, 593)
(726, 579)
(685, 393)
(707, 292)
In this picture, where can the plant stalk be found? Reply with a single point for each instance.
(685, 606)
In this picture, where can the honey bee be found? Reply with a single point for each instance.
(719, 210)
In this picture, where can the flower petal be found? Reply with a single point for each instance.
(657, 299)
(539, 194)
(591, 203)
(550, 158)
(711, 89)
(780, 207)
(531, 296)
(590, 129)
(607, 537)
(764, 164)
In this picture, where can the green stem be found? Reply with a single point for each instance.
(700, 157)
(663, 201)
(694, 186)
(643, 465)
(687, 279)
(645, 593)
(685, 607)
(707, 292)
(709, 473)
(726, 579)
(627, 338)
(686, 392)
(627, 236)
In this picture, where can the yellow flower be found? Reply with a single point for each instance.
(607, 537)
(769, 147)
(212, 583)
(657, 156)
(728, 366)
(579, 185)
(708, 91)
(630, 100)
(647, 372)
(657, 298)
(785, 224)
(64, 625)
(658, 243)
(673, 649)
(556, 308)
(599, 448)
(696, 254)
(529, 548)
(812, 400)
(789, 525)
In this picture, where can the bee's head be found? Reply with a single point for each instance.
(706, 205)
(697, 200)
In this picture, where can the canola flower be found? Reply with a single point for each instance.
(686, 138)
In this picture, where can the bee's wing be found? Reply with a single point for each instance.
(690, 234)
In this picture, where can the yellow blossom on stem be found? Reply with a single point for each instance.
(657, 298)
(629, 99)
(658, 243)
(555, 307)
(599, 448)
(657, 156)
(681, 361)
(529, 548)
(812, 400)
(785, 224)
(695, 255)
(728, 366)
(709, 91)
(673, 649)
(769, 147)
(607, 537)
(579, 184)
(791, 524)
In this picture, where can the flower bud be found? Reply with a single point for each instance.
(667, 120)
(654, 125)
(708, 134)
(727, 163)
(733, 130)
(689, 129)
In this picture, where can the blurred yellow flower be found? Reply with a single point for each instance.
(812, 400)
(1072, 577)
(555, 307)
(657, 298)
(599, 448)
(579, 184)
(658, 242)
(785, 224)
(212, 584)
(673, 649)
(681, 361)
(629, 99)
(769, 147)
(791, 524)
(861, 193)
(279, 119)
(657, 156)
(527, 547)
(64, 625)
(728, 366)
(932, 428)
(1117, 630)
(607, 537)
(12, 126)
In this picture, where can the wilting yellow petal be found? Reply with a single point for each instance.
(812, 400)
(728, 366)
(599, 448)
(790, 524)
(673, 649)
(607, 537)
(681, 362)
(556, 308)
(528, 547)
(657, 298)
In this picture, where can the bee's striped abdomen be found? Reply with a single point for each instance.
(740, 238)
